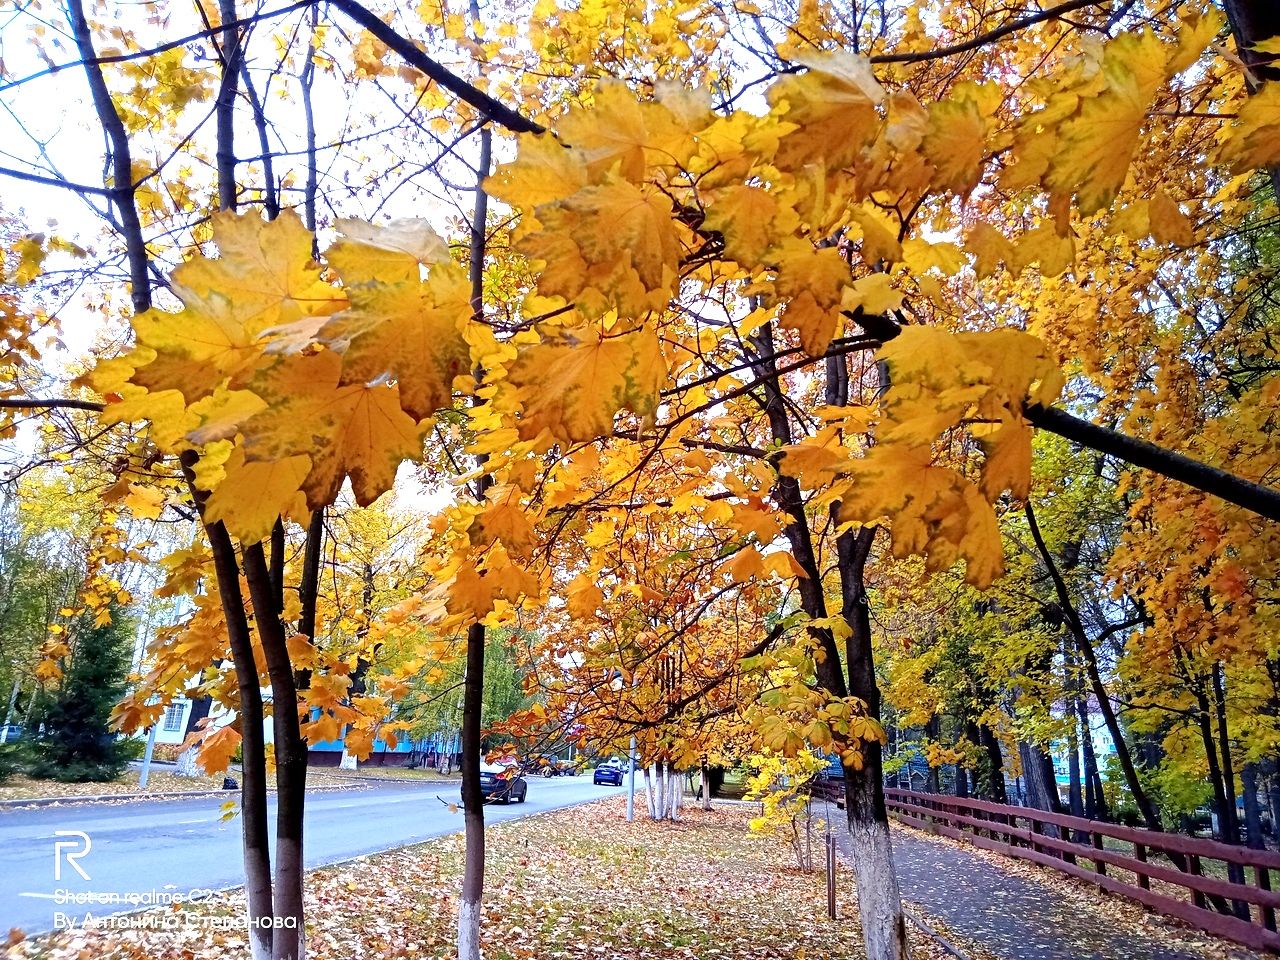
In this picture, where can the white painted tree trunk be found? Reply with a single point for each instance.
(187, 766)
(348, 761)
(260, 937)
(664, 791)
(879, 904)
(468, 931)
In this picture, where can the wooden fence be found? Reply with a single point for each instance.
(1221, 889)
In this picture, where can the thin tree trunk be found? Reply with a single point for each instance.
(1271, 769)
(253, 778)
(1235, 872)
(470, 907)
(706, 785)
(1143, 802)
(1095, 805)
(291, 761)
(1252, 809)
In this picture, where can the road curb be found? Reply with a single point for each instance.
(110, 797)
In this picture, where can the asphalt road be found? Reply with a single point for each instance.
(179, 846)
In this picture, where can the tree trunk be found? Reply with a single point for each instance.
(472, 801)
(1235, 872)
(706, 785)
(1146, 808)
(1075, 797)
(1095, 807)
(1252, 22)
(879, 901)
(1042, 788)
(1252, 809)
(253, 778)
(187, 766)
(470, 906)
(290, 754)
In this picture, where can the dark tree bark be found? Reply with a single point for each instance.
(290, 757)
(1252, 22)
(1252, 808)
(469, 908)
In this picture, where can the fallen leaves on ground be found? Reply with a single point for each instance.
(575, 883)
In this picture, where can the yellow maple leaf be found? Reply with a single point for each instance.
(612, 246)
(955, 144)
(746, 564)
(355, 430)
(1092, 155)
(503, 519)
(751, 220)
(573, 386)
(874, 294)
(198, 348)
(217, 747)
(583, 597)
(616, 130)
(144, 502)
(1054, 252)
(833, 107)
(544, 170)
(811, 281)
(1253, 142)
(265, 269)
(1168, 223)
(250, 495)
(410, 332)
(989, 248)
(815, 323)
(879, 235)
(385, 253)
(1008, 462)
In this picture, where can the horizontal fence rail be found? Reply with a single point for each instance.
(1218, 888)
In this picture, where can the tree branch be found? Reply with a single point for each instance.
(487, 105)
(1013, 26)
(122, 196)
(1260, 499)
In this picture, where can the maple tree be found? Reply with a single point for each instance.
(745, 344)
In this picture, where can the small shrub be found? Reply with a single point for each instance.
(131, 748)
(11, 760)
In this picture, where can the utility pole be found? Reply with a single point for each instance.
(146, 757)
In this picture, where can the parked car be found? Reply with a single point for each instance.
(502, 782)
(549, 765)
(10, 732)
(609, 773)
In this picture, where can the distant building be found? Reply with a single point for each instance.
(1103, 748)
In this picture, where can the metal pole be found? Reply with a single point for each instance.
(831, 876)
(631, 781)
(146, 757)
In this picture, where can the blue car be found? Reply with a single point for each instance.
(607, 773)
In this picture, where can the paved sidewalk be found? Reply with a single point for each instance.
(1012, 916)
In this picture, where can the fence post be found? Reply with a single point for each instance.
(1196, 896)
(1263, 877)
(1140, 852)
(1098, 866)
